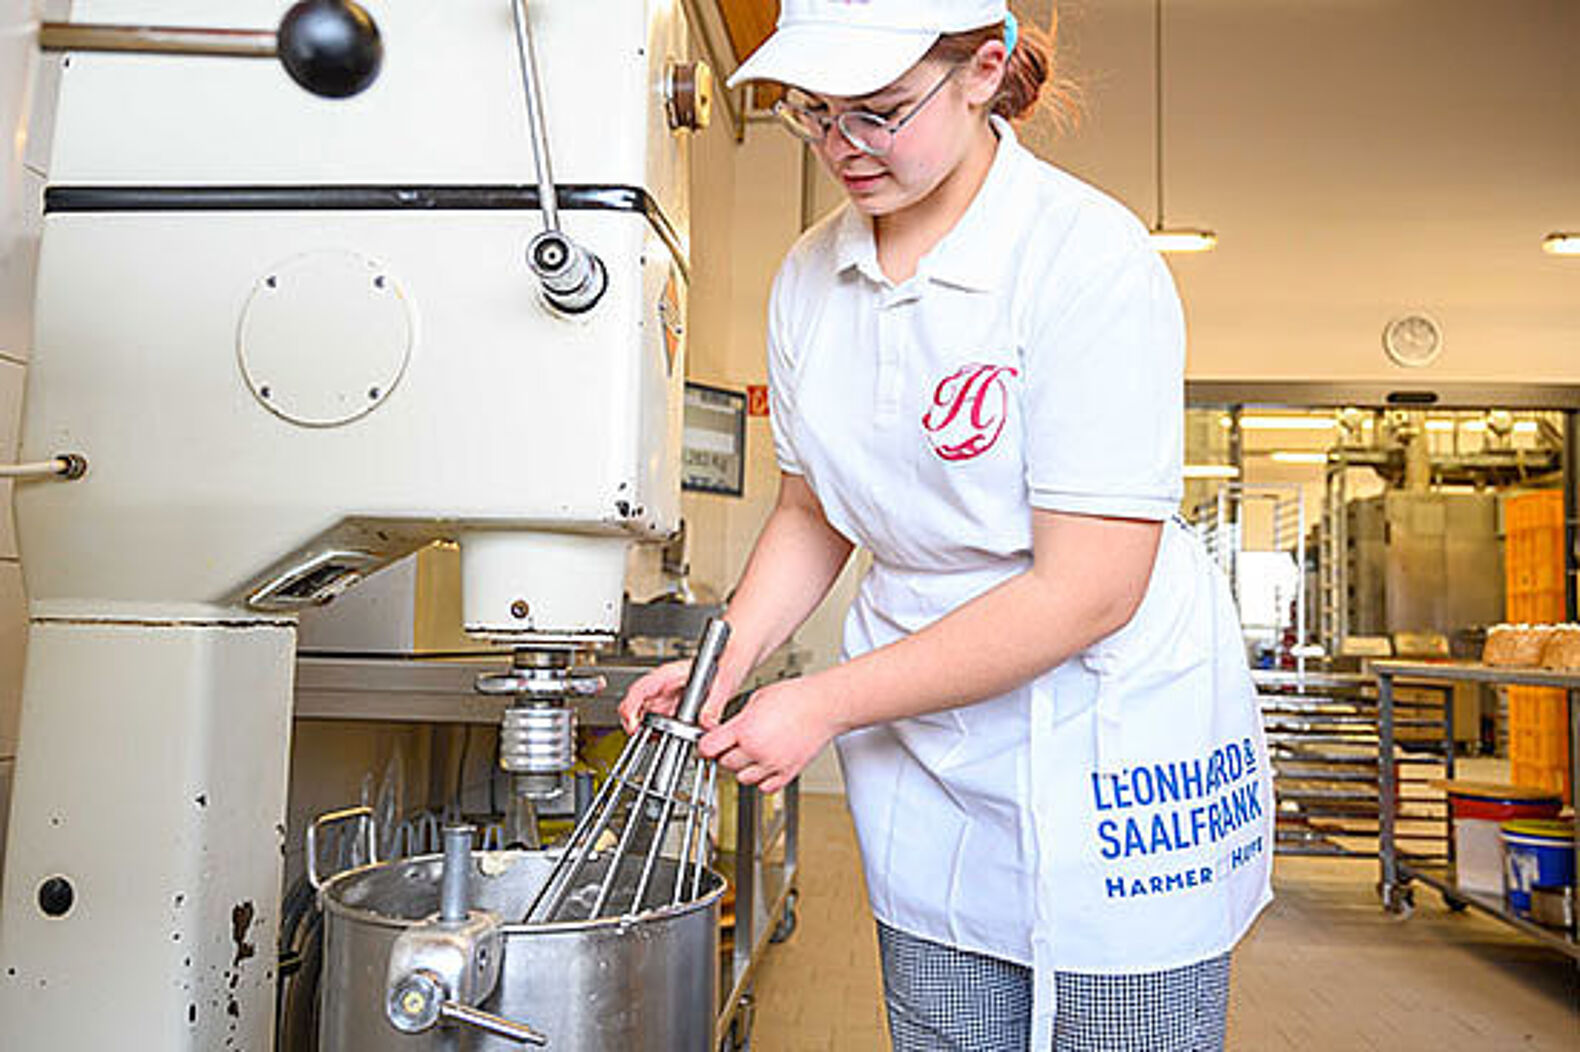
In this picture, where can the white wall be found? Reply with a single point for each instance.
(1357, 160)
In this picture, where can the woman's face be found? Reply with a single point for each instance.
(930, 146)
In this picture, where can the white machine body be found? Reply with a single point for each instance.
(296, 339)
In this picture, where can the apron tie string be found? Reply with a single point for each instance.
(1099, 660)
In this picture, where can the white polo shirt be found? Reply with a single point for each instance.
(1035, 360)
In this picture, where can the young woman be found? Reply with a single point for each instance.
(1047, 730)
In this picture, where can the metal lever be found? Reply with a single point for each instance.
(330, 47)
(573, 278)
(419, 1002)
(493, 1024)
(69, 466)
(160, 40)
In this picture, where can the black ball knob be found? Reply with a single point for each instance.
(55, 897)
(330, 47)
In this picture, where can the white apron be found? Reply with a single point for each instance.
(1112, 816)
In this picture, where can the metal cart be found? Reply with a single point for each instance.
(1322, 735)
(1400, 869)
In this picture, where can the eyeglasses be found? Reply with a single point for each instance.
(867, 132)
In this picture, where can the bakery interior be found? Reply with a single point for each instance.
(301, 611)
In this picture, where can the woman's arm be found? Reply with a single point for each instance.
(794, 563)
(1086, 581)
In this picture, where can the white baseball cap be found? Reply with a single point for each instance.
(855, 47)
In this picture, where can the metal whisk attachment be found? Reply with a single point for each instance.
(623, 857)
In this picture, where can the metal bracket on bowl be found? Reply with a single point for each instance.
(441, 969)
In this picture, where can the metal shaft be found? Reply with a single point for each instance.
(714, 637)
(536, 125)
(715, 634)
(163, 40)
(454, 897)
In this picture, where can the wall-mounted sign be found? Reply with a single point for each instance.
(756, 399)
(713, 449)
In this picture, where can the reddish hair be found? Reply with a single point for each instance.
(1030, 69)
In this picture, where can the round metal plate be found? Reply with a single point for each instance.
(324, 338)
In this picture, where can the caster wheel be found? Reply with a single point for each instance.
(787, 920)
(1454, 903)
(1401, 903)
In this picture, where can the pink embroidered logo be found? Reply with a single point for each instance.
(969, 409)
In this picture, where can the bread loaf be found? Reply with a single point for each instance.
(1562, 649)
(1515, 645)
(1499, 647)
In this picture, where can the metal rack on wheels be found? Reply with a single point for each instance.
(1323, 737)
(1399, 869)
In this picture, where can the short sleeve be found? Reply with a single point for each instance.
(782, 377)
(1104, 388)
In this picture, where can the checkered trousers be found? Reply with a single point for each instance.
(942, 999)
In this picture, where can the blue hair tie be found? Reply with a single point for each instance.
(1011, 31)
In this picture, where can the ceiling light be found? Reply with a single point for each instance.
(1294, 457)
(1527, 427)
(1211, 471)
(1562, 244)
(1183, 240)
(1287, 423)
(1440, 425)
(1162, 238)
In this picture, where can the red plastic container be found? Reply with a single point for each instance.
(1503, 810)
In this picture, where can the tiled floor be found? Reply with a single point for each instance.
(1325, 968)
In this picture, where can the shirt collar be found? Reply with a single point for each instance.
(855, 246)
(973, 255)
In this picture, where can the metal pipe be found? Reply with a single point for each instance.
(158, 40)
(1572, 513)
(454, 899)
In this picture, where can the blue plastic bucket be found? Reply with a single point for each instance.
(1536, 853)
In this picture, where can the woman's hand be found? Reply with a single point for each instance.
(660, 691)
(776, 735)
(657, 691)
